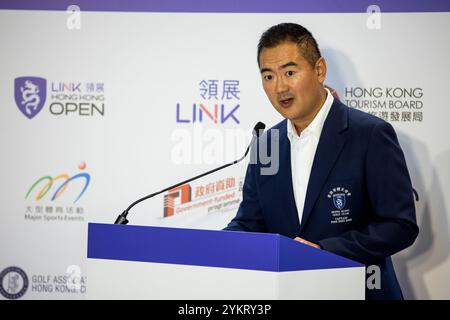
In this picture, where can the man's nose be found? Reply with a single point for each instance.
(281, 85)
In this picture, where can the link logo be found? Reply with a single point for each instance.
(218, 103)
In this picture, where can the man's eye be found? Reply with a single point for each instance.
(268, 77)
(290, 73)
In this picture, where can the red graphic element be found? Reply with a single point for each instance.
(183, 192)
(332, 91)
(82, 165)
(210, 115)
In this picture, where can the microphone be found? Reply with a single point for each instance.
(257, 130)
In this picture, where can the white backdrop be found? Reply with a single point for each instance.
(137, 67)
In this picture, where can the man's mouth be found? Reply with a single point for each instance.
(286, 103)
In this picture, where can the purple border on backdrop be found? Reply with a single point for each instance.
(232, 6)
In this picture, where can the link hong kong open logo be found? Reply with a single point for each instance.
(84, 99)
(30, 94)
(13, 283)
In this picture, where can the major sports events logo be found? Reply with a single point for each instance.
(56, 196)
(65, 98)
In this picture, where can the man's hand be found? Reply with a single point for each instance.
(307, 242)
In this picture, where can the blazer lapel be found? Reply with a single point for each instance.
(332, 139)
(285, 203)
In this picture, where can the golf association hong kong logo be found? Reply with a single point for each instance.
(13, 283)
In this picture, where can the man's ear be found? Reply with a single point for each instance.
(321, 69)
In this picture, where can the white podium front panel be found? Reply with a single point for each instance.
(114, 279)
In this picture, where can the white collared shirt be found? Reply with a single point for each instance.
(303, 150)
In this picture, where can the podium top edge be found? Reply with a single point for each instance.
(208, 248)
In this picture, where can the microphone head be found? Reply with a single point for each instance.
(258, 129)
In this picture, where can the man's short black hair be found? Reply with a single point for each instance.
(292, 32)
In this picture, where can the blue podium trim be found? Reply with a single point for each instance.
(226, 249)
(227, 6)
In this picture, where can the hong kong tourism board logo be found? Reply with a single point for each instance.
(65, 98)
(13, 283)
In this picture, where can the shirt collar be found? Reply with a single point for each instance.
(315, 127)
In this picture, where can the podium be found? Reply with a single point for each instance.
(140, 262)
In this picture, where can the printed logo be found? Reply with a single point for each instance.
(339, 200)
(183, 193)
(13, 283)
(59, 190)
(55, 198)
(392, 104)
(30, 94)
(211, 197)
(218, 103)
(339, 197)
(84, 99)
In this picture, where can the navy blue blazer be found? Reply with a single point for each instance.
(359, 202)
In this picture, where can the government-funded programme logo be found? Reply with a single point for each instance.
(13, 283)
(340, 197)
(218, 103)
(212, 197)
(65, 98)
(183, 193)
(30, 94)
(51, 189)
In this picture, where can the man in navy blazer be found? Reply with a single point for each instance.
(345, 187)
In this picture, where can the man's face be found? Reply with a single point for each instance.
(293, 86)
